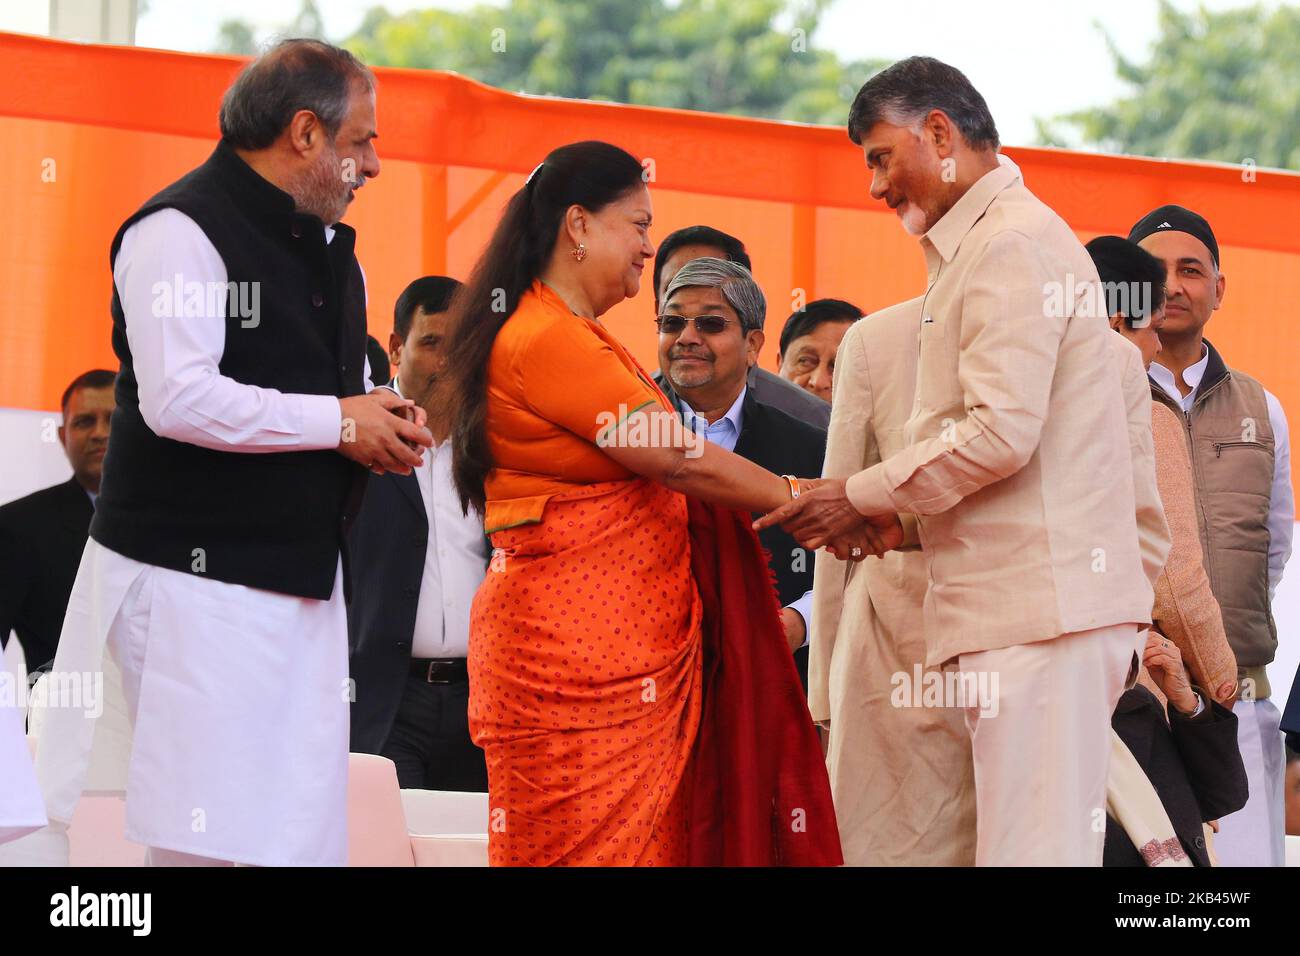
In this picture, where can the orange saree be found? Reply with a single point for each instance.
(595, 658)
(584, 660)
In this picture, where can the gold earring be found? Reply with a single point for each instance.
(580, 252)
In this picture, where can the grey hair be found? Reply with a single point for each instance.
(292, 75)
(910, 89)
(737, 284)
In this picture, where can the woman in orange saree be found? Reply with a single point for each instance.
(585, 651)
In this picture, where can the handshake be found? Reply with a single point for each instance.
(823, 517)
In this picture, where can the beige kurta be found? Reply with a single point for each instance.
(901, 777)
(1028, 497)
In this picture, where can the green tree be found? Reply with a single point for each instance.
(235, 36)
(239, 37)
(747, 57)
(1219, 86)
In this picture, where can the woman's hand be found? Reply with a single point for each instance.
(1164, 662)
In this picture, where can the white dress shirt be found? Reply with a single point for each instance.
(1281, 504)
(455, 560)
(725, 432)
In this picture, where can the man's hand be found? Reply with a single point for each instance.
(1164, 662)
(878, 534)
(792, 621)
(376, 432)
(822, 515)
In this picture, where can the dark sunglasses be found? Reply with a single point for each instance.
(704, 324)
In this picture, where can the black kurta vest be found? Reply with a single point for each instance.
(274, 521)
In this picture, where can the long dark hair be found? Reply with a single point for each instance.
(590, 174)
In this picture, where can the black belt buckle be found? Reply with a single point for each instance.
(439, 672)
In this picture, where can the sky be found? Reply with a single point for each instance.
(1028, 57)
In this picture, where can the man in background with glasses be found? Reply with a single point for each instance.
(710, 333)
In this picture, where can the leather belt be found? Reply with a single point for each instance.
(443, 670)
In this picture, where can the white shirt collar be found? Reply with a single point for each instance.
(1192, 376)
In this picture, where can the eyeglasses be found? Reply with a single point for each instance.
(704, 324)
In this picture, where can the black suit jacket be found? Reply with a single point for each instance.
(42, 537)
(387, 543)
(787, 446)
(1193, 763)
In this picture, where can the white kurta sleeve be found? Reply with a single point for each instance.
(183, 395)
(1281, 506)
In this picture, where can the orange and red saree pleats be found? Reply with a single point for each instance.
(585, 675)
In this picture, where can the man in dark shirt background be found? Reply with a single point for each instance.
(42, 535)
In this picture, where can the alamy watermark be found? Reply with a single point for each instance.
(626, 429)
(178, 299)
(69, 690)
(1091, 298)
(946, 688)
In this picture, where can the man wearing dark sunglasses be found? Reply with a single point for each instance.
(693, 242)
(710, 332)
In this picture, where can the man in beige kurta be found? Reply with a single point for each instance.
(901, 776)
(1016, 461)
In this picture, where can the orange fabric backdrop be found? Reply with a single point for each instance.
(89, 132)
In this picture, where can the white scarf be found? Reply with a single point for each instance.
(1132, 800)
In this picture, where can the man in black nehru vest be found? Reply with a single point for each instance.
(216, 567)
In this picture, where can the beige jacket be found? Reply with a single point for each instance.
(1185, 610)
(1016, 460)
(901, 776)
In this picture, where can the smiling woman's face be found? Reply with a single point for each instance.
(618, 247)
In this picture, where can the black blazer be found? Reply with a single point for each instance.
(1193, 763)
(787, 446)
(42, 537)
(387, 543)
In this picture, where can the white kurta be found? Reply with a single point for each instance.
(22, 810)
(238, 696)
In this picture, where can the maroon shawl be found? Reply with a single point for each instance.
(759, 791)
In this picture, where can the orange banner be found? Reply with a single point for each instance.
(88, 132)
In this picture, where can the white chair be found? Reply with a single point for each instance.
(446, 827)
(376, 824)
(1293, 851)
(463, 850)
